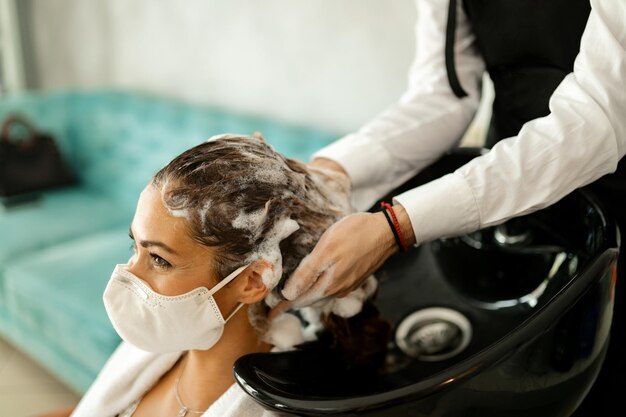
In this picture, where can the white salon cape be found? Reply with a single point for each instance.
(581, 140)
(130, 373)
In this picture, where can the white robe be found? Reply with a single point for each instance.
(130, 373)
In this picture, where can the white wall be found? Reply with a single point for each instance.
(328, 63)
(11, 64)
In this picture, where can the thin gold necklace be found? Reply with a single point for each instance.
(184, 410)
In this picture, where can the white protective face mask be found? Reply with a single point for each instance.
(159, 323)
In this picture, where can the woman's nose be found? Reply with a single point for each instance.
(131, 261)
(137, 266)
(133, 266)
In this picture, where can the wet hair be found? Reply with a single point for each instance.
(234, 192)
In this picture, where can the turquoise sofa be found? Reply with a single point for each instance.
(57, 252)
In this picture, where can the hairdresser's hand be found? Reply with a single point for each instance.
(331, 174)
(327, 164)
(346, 254)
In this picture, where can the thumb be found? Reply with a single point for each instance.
(279, 309)
(302, 279)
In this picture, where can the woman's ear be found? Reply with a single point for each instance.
(253, 288)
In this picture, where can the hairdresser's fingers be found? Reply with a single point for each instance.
(316, 292)
(355, 286)
(279, 309)
(312, 295)
(304, 277)
(328, 164)
(344, 293)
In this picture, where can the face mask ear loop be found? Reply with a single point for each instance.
(228, 279)
(225, 281)
(234, 312)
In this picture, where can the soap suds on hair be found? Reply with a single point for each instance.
(253, 222)
(285, 332)
(352, 304)
(176, 206)
(203, 213)
(270, 176)
(269, 250)
(184, 213)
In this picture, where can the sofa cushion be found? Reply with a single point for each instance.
(57, 294)
(56, 216)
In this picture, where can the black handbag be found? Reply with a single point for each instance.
(31, 162)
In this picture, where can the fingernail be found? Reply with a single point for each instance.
(287, 294)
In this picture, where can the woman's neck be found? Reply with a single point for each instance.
(209, 373)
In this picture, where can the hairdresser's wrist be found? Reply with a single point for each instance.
(400, 228)
(405, 224)
(387, 241)
(328, 164)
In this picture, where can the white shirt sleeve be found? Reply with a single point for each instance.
(428, 119)
(581, 140)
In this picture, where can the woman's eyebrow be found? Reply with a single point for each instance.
(148, 243)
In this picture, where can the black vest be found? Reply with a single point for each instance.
(528, 46)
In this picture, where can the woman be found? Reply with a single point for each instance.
(215, 233)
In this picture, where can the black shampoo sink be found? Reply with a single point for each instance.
(511, 320)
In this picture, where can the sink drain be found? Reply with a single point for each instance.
(433, 334)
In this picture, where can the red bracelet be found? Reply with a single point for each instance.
(387, 206)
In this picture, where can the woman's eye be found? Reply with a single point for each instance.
(159, 262)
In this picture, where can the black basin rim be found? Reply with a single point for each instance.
(525, 333)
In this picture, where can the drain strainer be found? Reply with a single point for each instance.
(433, 334)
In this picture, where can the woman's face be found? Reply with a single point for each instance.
(165, 256)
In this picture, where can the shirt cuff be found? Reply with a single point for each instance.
(366, 161)
(444, 207)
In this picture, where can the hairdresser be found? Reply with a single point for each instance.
(558, 123)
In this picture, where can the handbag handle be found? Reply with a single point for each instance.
(13, 120)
